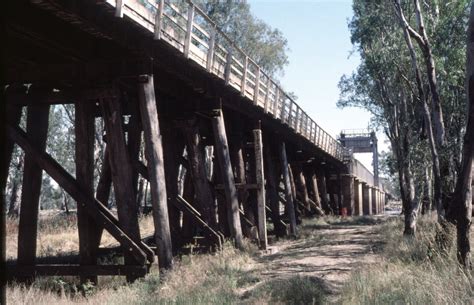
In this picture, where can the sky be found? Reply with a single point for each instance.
(320, 53)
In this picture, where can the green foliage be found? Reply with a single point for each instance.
(384, 83)
(265, 45)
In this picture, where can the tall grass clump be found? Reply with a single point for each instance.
(296, 290)
(195, 279)
(413, 270)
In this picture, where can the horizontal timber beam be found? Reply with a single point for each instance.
(14, 271)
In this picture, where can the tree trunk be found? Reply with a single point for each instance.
(434, 119)
(461, 207)
(14, 206)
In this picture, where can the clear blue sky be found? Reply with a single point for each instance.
(320, 53)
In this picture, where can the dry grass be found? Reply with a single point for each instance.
(195, 279)
(413, 271)
(57, 234)
(216, 278)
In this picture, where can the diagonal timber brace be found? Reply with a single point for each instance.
(97, 210)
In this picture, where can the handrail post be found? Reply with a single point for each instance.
(119, 8)
(276, 101)
(291, 119)
(282, 109)
(159, 20)
(189, 30)
(228, 67)
(244, 76)
(210, 51)
(256, 92)
(267, 94)
(305, 125)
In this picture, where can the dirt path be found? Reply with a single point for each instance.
(326, 253)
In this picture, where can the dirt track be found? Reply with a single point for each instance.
(326, 253)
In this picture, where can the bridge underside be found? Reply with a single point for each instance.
(218, 166)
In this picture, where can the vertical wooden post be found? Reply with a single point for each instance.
(87, 227)
(367, 199)
(260, 180)
(134, 139)
(121, 169)
(159, 20)
(197, 169)
(244, 76)
(348, 194)
(358, 197)
(272, 189)
(340, 194)
(288, 189)
(210, 51)
(256, 92)
(276, 102)
(267, 94)
(294, 122)
(324, 193)
(374, 201)
(37, 131)
(189, 30)
(221, 201)
(119, 8)
(222, 150)
(314, 188)
(237, 159)
(173, 145)
(156, 172)
(290, 118)
(228, 66)
(300, 183)
(298, 212)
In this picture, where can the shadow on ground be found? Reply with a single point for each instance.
(322, 258)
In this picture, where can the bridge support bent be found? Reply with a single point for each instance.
(223, 157)
(348, 194)
(156, 172)
(37, 130)
(290, 207)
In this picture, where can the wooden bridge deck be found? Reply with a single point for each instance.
(175, 75)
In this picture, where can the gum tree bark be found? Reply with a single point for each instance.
(461, 208)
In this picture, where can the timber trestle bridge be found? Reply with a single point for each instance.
(226, 149)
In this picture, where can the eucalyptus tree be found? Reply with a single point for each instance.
(432, 18)
(412, 82)
(460, 211)
(383, 86)
(264, 44)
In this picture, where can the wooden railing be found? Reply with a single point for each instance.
(192, 32)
